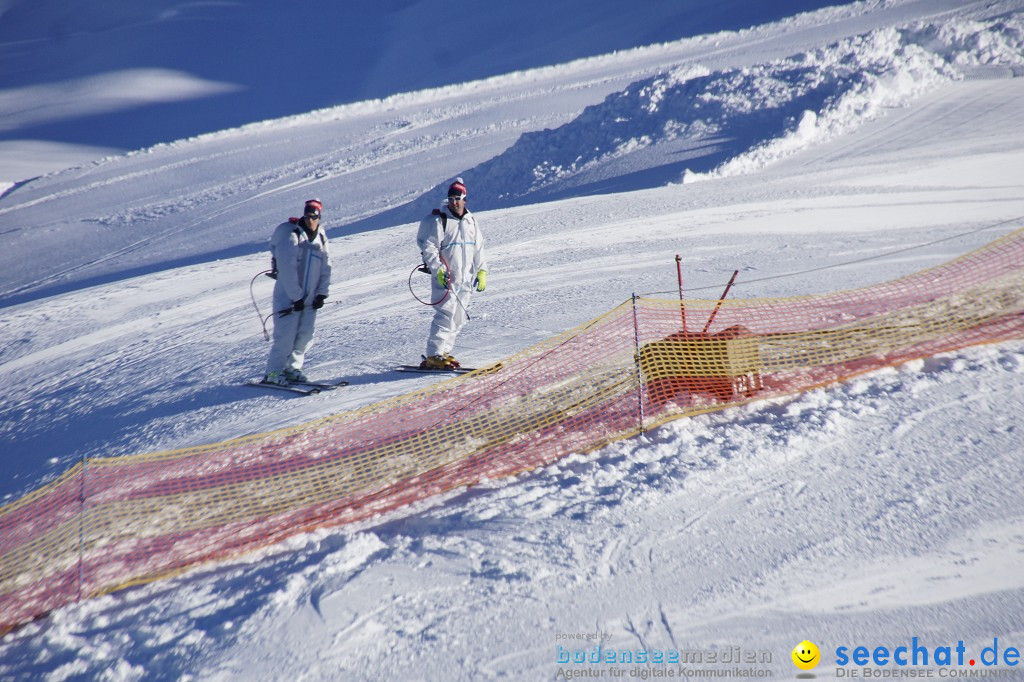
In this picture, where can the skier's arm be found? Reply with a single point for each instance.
(479, 256)
(324, 285)
(429, 240)
(286, 249)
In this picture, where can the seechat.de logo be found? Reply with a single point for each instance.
(917, 653)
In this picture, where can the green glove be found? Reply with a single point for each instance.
(481, 280)
(442, 277)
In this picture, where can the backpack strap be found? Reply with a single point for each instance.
(444, 217)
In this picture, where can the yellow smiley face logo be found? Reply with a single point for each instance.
(806, 655)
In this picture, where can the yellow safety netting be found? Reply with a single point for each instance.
(112, 522)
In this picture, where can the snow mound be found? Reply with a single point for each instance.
(688, 123)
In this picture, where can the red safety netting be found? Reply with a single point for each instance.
(112, 522)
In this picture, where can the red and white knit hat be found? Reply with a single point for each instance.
(457, 189)
(314, 206)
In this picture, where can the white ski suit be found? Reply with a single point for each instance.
(303, 272)
(460, 244)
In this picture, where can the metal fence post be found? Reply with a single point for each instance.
(636, 360)
(81, 526)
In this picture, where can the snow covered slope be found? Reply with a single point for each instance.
(83, 80)
(861, 514)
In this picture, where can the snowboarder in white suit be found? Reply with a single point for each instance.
(453, 250)
(302, 262)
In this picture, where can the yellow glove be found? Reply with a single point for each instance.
(481, 280)
(442, 277)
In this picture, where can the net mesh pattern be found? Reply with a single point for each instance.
(108, 523)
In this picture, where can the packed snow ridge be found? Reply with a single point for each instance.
(735, 121)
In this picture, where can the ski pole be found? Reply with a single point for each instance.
(722, 298)
(263, 320)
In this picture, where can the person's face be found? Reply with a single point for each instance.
(458, 203)
(313, 220)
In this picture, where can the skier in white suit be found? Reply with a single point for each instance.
(453, 250)
(302, 265)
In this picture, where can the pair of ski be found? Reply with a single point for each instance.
(300, 387)
(439, 370)
(314, 387)
(448, 370)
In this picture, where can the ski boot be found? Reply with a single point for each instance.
(438, 362)
(276, 378)
(296, 375)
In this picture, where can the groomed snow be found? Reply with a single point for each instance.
(834, 149)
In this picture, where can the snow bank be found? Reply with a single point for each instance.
(736, 121)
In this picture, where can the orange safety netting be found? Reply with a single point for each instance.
(113, 522)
